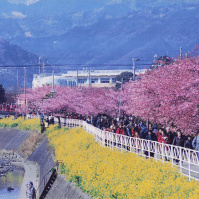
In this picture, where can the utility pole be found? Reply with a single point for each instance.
(134, 67)
(25, 90)
(77, 78)
(81, 98)
(180, 52)
(120, 98)
(43, 68)
(39, 65)
(53, 90)
(17, 81)
(89, 73)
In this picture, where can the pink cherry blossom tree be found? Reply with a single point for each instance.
(86, 101)
(168, 95)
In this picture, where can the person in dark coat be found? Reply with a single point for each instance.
(135, 129)
(126, 122)
(130, 128)
(51, 120)
(152, 137)
(42, 127)
(143, 132)
(188, 143)
(47, 120)
(101, 124)
(169, 135)
(178, 141)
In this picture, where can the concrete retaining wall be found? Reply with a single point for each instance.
(61, 189)
(45, 161)
(12, 138)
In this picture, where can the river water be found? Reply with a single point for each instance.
(12, 179)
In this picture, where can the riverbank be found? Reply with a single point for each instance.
(13, 179)
(31, 174)
(37, 167)
(11, 140)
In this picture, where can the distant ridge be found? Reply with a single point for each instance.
(11, 54)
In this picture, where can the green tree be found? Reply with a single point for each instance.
(2, 94)
(126, 76)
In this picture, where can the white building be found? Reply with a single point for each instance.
(98, 78)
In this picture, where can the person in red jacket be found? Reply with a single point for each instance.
(120, 130)
(135, 129)
(163, 138)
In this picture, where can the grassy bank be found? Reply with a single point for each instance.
(33, 125)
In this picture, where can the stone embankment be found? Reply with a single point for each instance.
(39, 163)
(61, 188)
(11, 139)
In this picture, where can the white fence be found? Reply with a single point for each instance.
(186, 160)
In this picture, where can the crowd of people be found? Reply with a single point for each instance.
(134, 127)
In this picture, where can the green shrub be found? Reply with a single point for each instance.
(14, 125)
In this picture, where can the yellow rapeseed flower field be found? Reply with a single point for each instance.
(106, 173)
(21, 123)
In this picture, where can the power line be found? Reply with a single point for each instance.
(71, 65)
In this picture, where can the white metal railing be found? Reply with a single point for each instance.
(188, 159)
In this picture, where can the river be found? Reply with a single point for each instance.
(14, 180)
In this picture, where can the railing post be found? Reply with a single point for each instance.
(180, 157)
(189, 158)
(163, 152)
(112, 140)
(142, 145)
(156, 151)
(172, 154)
(121, 141)
(136, 145)
(130, 143)
(103, 135)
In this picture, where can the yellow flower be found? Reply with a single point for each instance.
(106, 173)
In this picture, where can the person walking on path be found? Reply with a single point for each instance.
(195, 143)
(163, 138)
(178, 141)
(30, 192)
(42, 127)
(151, 137)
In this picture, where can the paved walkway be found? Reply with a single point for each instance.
(31, 174)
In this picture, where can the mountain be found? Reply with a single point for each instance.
(100, 33)
(13, 55)
(111, 38)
